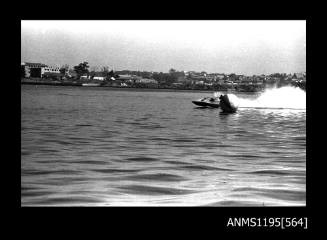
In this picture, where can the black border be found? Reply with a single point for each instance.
(163, 219)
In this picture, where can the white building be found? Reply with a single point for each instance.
(99, 78)
(85, 77)
(38, 69)
(49, 69)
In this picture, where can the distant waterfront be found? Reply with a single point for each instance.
(242, 88)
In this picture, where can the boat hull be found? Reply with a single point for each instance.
(206, 104)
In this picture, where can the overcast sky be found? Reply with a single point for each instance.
(241, 47)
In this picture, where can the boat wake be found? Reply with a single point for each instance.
(277, 98)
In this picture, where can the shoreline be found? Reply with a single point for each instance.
(37, 81)
(118, 88)
(170, 89)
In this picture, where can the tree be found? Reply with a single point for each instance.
(172, 71)
(82, 68)
(109, 74)
(174, 75)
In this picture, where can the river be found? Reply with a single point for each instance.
(84, 146)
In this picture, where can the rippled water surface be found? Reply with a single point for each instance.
(112, 147)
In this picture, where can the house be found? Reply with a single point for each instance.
(98, 76)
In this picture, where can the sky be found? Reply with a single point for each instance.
(241, 47)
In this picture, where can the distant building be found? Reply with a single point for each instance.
(49, 69)
(99, 78)
(32, 69)
(229, 82)
(38, 70)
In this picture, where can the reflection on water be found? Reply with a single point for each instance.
(98, 146)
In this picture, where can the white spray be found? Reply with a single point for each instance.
(284, 97)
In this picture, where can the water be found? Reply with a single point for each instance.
(111, 147)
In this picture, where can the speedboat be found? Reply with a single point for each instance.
(227, 105)
(207, 102)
